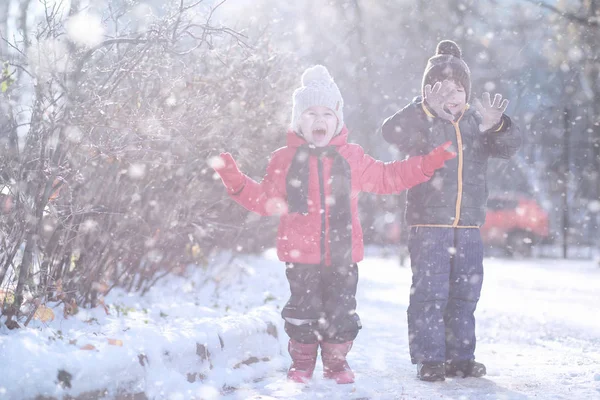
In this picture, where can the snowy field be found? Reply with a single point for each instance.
(538, 325)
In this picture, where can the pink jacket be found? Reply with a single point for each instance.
(299, 235)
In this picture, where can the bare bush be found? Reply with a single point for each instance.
(109, 185)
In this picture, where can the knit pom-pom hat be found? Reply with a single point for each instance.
(447, 63)
(318, 89)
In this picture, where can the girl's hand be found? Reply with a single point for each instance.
(225, 166)
(437, 158)
(491, 112)
(437, 96)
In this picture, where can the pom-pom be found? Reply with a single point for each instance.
(318, 73)
(448, 47)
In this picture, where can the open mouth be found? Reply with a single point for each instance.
(319, 134)
(451, 105)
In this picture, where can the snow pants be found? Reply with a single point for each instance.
(447, 268)
(322, 305)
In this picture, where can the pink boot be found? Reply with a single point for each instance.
(335, 365)
(304, 358)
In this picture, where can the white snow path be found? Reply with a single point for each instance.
(538, 329)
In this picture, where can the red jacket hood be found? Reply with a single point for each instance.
(295, 140)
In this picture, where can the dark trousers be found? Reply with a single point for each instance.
(322, 305)
(447, 267)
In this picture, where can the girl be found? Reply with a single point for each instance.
(313, 185)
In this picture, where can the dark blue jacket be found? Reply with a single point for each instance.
(456, 196)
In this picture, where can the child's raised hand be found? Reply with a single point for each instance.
(436, 158)
(437, 96)
(491, 112)
(225, 166)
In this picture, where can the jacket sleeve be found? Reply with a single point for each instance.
(391, 177)
(267, 197)
(503, 141)
(406, 128)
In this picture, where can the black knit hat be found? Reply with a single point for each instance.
(447, 64)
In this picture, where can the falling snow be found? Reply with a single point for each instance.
(132, 262)
(85, 29)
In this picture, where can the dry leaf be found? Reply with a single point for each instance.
(100, 287)
(101, 302)
(56, 185)
(44, 314)
(87, 347)
(70, 308)
(59, 290)
(6, 204)
(115, 342)
(196, 251)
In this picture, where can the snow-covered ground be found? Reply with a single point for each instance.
(538, 325)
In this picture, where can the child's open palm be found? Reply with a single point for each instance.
(226, 167)
(437, 158)
(491, 112)
(437, 96)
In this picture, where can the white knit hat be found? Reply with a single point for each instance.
(318, 89)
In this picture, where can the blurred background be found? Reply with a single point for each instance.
(110, 109)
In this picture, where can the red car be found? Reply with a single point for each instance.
(515, 223)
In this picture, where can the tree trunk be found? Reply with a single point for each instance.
(22, 21)
(4, 6)
(23, 275)
(75, 4)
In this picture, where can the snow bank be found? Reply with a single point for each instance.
(189, 337)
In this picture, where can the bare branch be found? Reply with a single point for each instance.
(192, 5)
(570, 16)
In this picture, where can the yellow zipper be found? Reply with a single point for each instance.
(460, 167)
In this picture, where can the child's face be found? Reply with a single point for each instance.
(458, 99)
(318, 125)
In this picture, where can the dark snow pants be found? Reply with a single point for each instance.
(447, 267)
(322, 305)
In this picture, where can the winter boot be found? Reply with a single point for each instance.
(304, 358)
(335, 365)
(466, 368)
(431, 372)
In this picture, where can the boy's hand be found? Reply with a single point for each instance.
(225, 166)
(491, 112)
(437, 96)
(436, 159)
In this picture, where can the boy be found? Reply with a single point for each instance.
(445, 213)
(313, 185)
